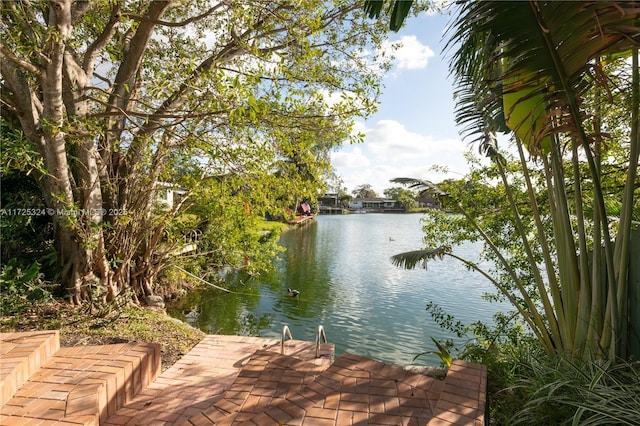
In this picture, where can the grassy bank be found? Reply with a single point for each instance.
(84, 326)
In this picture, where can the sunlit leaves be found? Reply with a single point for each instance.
(189, 95)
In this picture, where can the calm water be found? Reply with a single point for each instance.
(340, 265)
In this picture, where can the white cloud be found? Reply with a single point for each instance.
(390, 151)
(390, 139)
(354, 159)
(409, 52)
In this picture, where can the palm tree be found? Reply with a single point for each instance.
(529, 67)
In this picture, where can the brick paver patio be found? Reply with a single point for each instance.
(227, 380)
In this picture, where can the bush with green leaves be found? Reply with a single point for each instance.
(503, 347)
(21, 287)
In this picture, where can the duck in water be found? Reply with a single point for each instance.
(293, 293)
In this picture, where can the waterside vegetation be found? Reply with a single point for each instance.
(562, 80)
(108, 105)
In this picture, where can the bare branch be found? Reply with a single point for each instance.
(103, 39)
(144, 18)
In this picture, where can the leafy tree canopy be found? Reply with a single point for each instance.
(405, 196)
(364, 191)
(113, 101)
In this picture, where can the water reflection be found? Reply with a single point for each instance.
(340, 265)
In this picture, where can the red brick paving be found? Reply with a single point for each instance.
(80, 385)
(356, 390)
(201, 377)
(22, 354)
(229, 380)
(463, 397)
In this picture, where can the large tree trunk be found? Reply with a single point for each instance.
(73, 200)
(59, 178)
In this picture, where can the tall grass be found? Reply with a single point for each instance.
(561, 391)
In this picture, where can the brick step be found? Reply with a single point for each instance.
(276, 389)
(83, 384)
(358, 390)
(227, 380)
(22, 354)
(463, 399)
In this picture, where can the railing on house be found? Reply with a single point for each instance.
(193, 236)
(190, 242)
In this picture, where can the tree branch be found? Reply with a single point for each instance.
(27, 66)
(79, 8)
(126, 73)
(103, 39)
(144, 18)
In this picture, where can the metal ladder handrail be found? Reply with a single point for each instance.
(320, 335)
(285, 333)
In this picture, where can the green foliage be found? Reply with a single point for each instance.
(446, 322)
(364, 191)
(25, 225)
(396, 11)
(231, 104)
(522, 69)
(507, 349)
(504, 348)
(21, 287)
(443, 353)
(527, 70)
(544, 73)
(16, 153)
(406, 197)
(231, 230)
(588, 392)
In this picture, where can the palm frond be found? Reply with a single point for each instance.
(419, 185)
(411, 259)
(399, 10)
(534, 57)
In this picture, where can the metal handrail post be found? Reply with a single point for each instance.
(320, 335)
(285, 333)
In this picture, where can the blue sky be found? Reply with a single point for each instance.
(414, 127)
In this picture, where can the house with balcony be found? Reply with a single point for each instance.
(329, 203)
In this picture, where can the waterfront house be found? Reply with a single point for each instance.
(429, 202)
(376, 205)
(168, 194)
